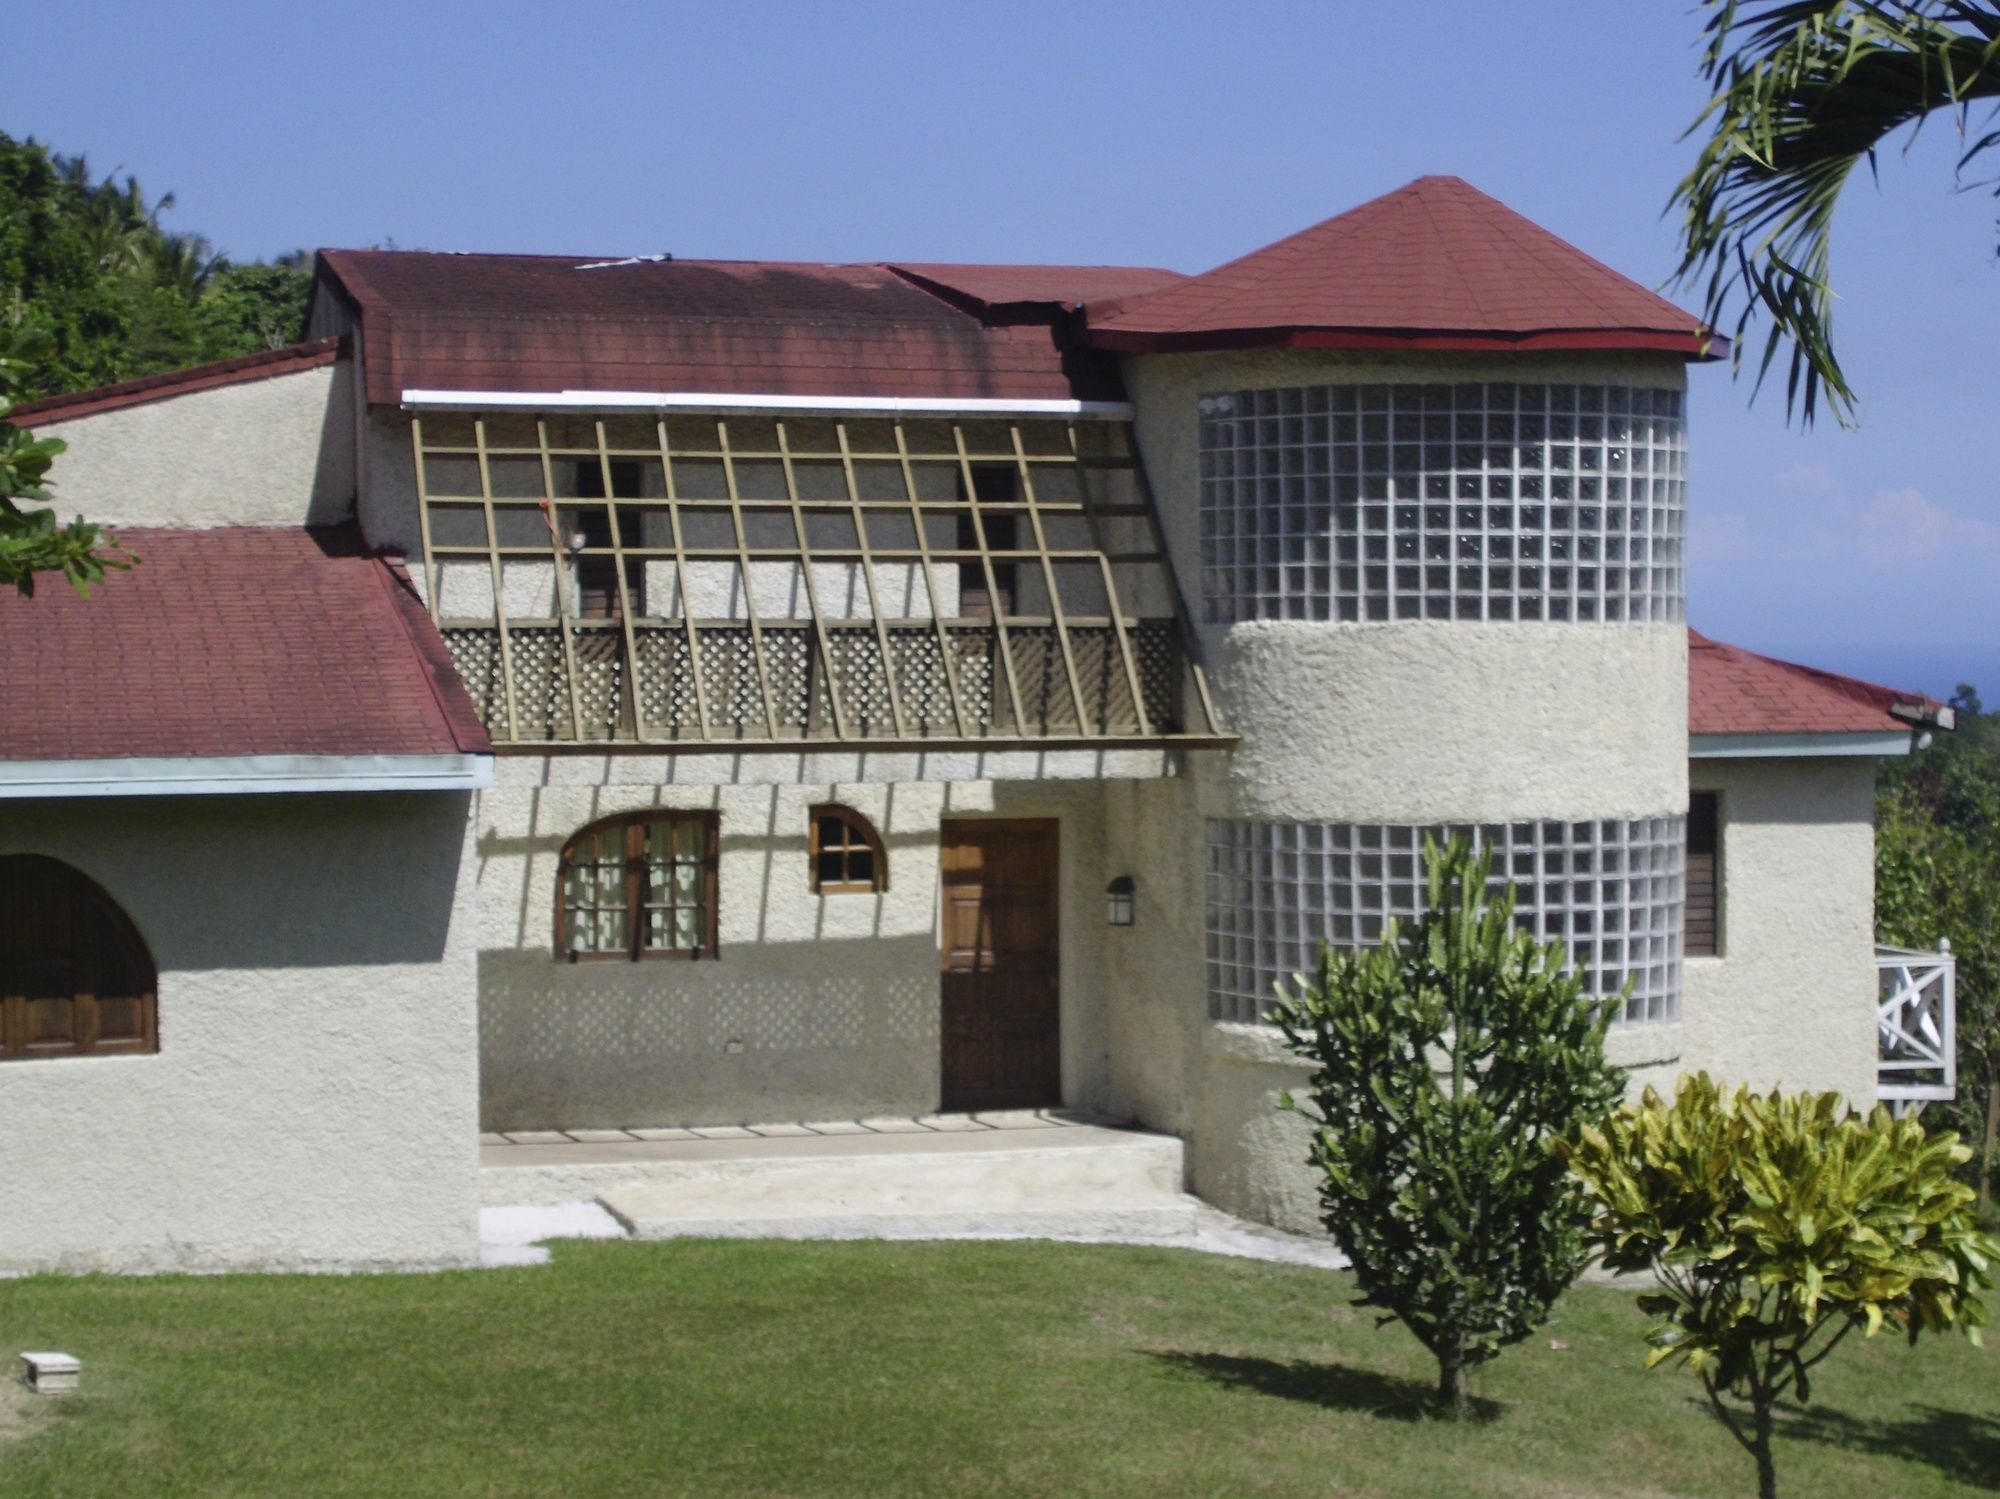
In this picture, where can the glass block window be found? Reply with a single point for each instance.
(1611, 892)
(1472, 501)
(639, 886)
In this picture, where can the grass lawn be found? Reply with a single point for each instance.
(923, 1369)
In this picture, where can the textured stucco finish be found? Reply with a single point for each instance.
(1791, 1000)
(313, 1101)
(276, 452)
(819, 1007)
(1423, 721)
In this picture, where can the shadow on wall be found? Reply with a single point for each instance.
(779, 1031)
(333, 491)
(755, 822)
(243, 882)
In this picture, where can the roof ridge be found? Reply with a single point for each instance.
(238, 369)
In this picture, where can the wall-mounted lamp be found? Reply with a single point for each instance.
(1120, 900)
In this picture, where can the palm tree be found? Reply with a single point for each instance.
(1806, 90)
(184, 263)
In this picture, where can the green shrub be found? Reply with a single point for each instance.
(1776, 1225)
(1448, 1058)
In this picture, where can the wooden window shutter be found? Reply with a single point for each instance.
(75, 976)
(1703, 931)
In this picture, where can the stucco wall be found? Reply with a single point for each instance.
(1449, 721)
(313, 1101)
(276, 452)
(819, 1007)
(1791, 998)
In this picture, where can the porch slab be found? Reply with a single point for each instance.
(1083, 1182)
(1040, 1174)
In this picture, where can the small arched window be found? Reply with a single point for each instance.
(75, 976)
(641, 885)
(847, 853)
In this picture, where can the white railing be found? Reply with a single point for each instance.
(1915, 1015)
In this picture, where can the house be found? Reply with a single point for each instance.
(573, 694)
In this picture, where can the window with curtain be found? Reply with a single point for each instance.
(642, 885)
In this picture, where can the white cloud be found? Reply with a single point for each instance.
(1900, 525)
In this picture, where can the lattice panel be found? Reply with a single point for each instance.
(862, 681)
(668, 703)
(475, 654)
(729, 676)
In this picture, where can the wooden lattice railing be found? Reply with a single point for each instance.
(746, 582)
(1916, 1017)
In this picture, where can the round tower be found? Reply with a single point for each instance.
(1423, 470)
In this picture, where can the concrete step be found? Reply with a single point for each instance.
(1080, 1180)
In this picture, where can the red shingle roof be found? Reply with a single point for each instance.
(1436, 264)
(264, 365)
(1734, 691)
(531, 322)
(228, 642)
(987, 289)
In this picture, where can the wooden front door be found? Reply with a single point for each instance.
(1000, 1022)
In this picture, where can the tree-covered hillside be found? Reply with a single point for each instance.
(91, 280)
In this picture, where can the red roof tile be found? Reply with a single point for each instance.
(530, 322)
(264, 365)
(1436, 264)
(1734, 691)
(226, 642)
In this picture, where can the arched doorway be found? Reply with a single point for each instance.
(75, 976)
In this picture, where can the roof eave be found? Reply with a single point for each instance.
(1695, 345)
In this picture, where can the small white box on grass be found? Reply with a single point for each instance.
(51, 1373)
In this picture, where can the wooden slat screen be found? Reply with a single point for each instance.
(1704, 868)
(742, 581)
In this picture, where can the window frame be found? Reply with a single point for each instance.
(633, 825)
(855, 823)
(1717, 946)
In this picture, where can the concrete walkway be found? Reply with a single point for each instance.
(1046, 1174)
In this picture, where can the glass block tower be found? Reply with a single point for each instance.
(1424, 467)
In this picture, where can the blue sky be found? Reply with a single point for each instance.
(1165, 133)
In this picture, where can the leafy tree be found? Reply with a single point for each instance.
(88, 264)
(1937, 874)
(1448, 1058)
(30, 540)
(1805, 91)
(1776, 1225)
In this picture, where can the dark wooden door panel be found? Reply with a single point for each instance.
(1001, 1016)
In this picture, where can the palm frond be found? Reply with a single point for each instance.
(1806, 91)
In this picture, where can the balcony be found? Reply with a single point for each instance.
(908, 681)
(745, 582)
(1915, 1016)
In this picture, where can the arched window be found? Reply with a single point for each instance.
(641, 885)
(847, 853)
(75, 976)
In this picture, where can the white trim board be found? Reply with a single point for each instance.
(656, 400)
(1796, 746)
(224, 775)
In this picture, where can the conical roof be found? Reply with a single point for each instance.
(1436, 264)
